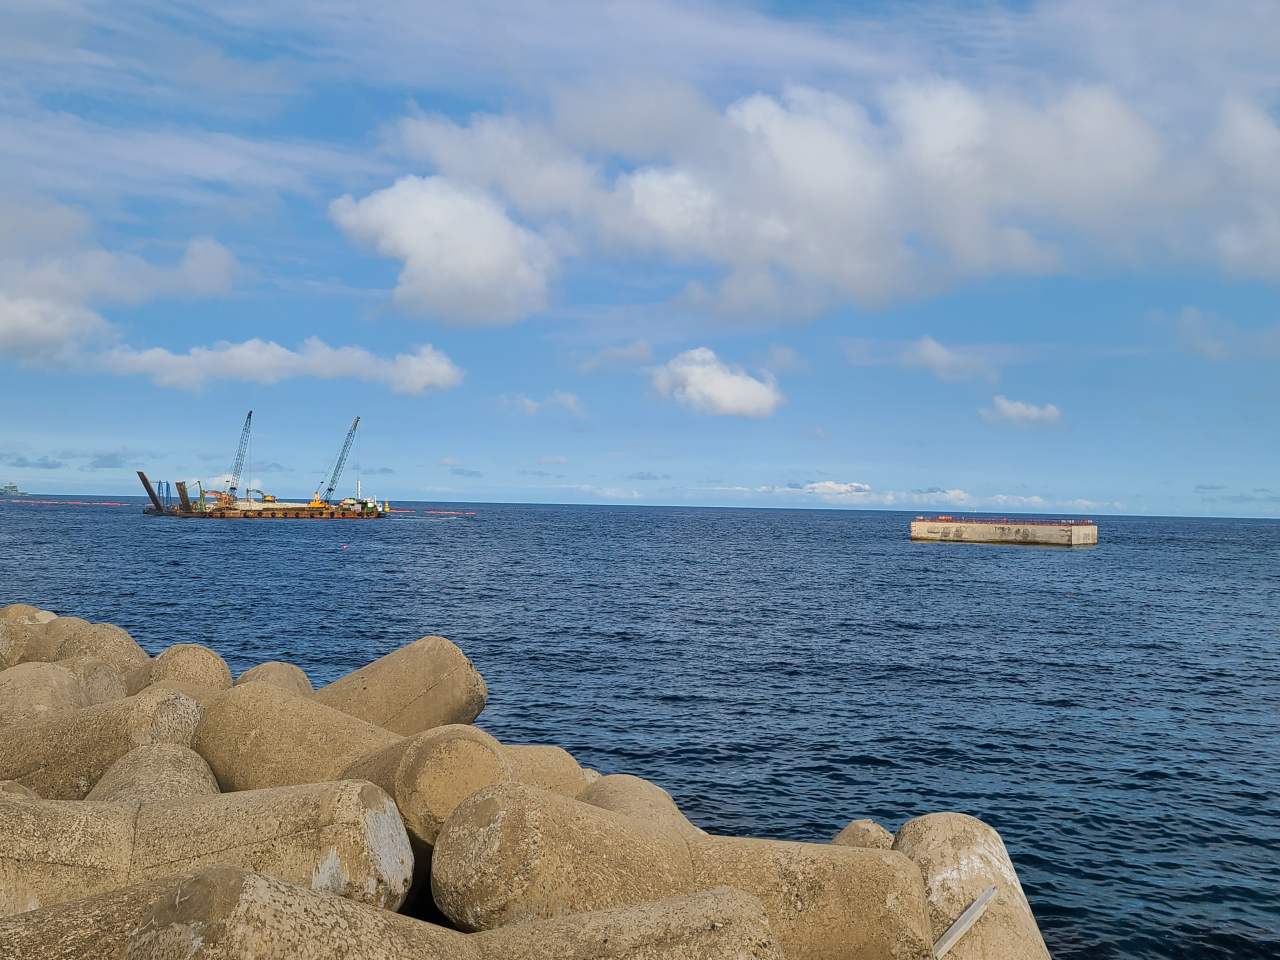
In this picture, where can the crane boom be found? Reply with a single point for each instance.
(342, 462)
(239, 464)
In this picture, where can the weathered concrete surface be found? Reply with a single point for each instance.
(960, 856)
(43, 644)
(343, 838)
(13, 788)
(426, 684)
(161, 771)
(102, 682)
(511, 853)
(230, 914)
(94, 928)
(200, 694)
(191, 663)
(1043, 534)
(257, 735)
(16, 611)
(61, 758)
(37, 691)
(640, 799)
(14, 637)
(547, 767)
(72, 639)
(864, 833)
(286, 676)
(108, 643)
(430, 773)
(720, 923)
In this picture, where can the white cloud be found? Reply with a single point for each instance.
(703, 381)
(558, 398)
(412, 374)
(810, 198)
(782, 359)
(48, 301)
(1016, 413)
(1216, 338)
(42, 331)
(635, 352)
(465, 260)
(950, 365)
(609, 493)
(553, 460)
(855, 494)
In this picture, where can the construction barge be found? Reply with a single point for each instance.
(1047, 533)
(228, 504)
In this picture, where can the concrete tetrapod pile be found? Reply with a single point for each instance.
(157, 807)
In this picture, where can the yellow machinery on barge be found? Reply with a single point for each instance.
(229, 505)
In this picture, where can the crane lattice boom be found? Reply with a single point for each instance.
(239, 464)
(342, 462)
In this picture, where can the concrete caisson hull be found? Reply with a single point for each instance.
(985, 531)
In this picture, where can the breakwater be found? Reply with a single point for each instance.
(156, 808)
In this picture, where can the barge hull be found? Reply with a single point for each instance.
(1042, 534)
(282, 513)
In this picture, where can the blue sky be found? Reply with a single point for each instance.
(1017, 258)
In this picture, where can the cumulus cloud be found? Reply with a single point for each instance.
(700, 379)
(44, 331)
(465, 261)
(412, 374)
(950, 365)
(1016, 413)
(49, 301)
(807, 198)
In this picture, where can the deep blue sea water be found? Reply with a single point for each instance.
(1113, 711)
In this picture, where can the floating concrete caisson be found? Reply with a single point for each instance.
(1046, 533)
(231, 914)
(343, 838)
(512, 853)
(960, 856)
(428, 683)
(61, 758)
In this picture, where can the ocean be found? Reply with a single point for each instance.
(1113, 711)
